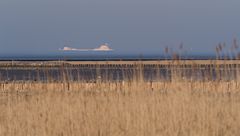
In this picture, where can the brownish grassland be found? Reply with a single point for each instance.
(176, 108)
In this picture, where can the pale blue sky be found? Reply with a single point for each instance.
(129, 26)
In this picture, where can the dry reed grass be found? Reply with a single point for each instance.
(120, 108)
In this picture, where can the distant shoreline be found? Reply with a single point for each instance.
(105, 59)
(55, 63)
(102, 57)
(114, 59)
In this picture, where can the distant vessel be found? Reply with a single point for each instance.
(103, 47)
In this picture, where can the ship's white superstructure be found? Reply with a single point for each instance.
(103, 47)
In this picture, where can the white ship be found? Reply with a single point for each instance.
(103, 47)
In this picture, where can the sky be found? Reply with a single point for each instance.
(128, 26)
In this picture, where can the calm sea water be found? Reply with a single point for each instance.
(107, 73)
(99, 57)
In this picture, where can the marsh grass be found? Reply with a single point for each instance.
(132, 106)
(120, 108)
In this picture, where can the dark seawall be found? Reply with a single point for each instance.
(148, 70)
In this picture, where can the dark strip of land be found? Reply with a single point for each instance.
(117, 63)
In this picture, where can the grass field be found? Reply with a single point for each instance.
(178, 107)
(123, 108)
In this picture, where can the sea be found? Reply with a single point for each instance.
(93, 74)
(101, 57)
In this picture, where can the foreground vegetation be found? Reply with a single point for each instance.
(176, 108)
